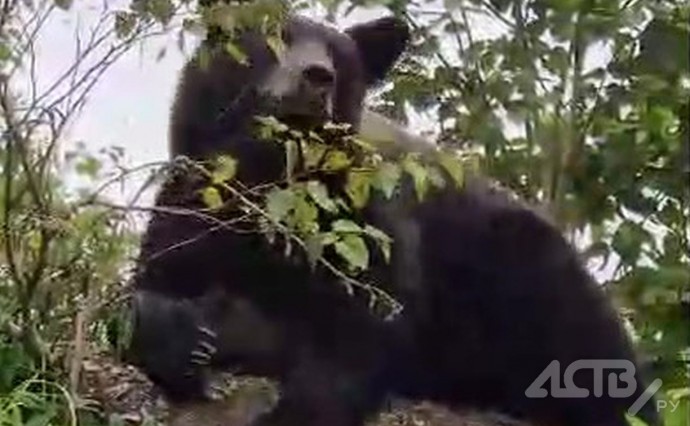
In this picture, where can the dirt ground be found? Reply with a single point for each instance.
(121, 391)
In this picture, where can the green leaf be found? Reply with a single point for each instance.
(276, 44)
(279, 202)
(42, 418)
(628, 240)
(89, 166)
(269, 128)
(660, 120)
(224, 170)
(236, 53)
(353, 250)
(5, 52)
(336, 160)
(328, 238)
(305, 216)
(296, 134)
(436, 177)
(313, 153)
(211, 197)
(345, 226)
(419, 174)
(358, 188)
(363, 144)
(162, 10)
(318, 192)
(557, 60)
(125, 22)
(376, 233)
(387, 178)
(453, 166)
(382, 240)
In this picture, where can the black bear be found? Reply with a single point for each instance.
(492, 292)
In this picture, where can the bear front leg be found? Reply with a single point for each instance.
(173, 345)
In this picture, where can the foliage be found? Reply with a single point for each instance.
(62, 256)
(579, 105)
(331, 176)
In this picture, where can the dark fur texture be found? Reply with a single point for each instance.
(493, 292)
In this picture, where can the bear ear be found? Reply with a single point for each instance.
(380, 43)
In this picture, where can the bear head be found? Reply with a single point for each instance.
(322, 74)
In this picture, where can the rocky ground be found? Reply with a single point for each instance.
(121, 391)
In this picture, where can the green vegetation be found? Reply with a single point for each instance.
(581, 106)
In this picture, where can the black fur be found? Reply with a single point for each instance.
(493, 292)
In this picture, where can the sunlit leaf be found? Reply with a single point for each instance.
(353, 249)
(453, 166)
(162, 10)
(89, 166)
(279, 202)
(319, 193)
(237, 53)
(125, 23)
(345, 226)
(336, 160)
(276, 44)
(5, 52)
(420, 176)
(224, 170)
(628, 241)
(382, 240)
(387, 178)
(358, 188)
(305, 216)
(211, 197)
